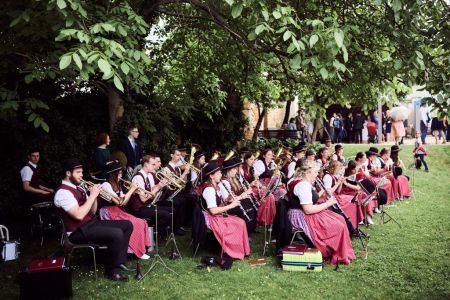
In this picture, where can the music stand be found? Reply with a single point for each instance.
(171, 237)
(157, 259)
(383, 211)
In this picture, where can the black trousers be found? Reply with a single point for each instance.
(357, 136)
(113, 234)
(164, 218)
(422, 159)
(250, 211)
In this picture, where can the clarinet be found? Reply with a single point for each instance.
(336, 207)
(233, 196)
(246, 186)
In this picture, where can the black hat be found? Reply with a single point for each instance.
(372, 151)
(231, 163)
(71, 164)
(112, 167)
(244, 150)
(198, 154)
(299, 148)
(338, 147)
(210, 168)
(181, 147)
(395, 148)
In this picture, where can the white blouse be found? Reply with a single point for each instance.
(303, 191)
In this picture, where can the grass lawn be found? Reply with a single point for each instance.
(412, 262)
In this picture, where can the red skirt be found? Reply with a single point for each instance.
(330, 235)
(231, 233)
(139, 238)
(403, 186)
(267, 209)
(348, 207)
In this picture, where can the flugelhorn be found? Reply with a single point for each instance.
(127, 184)
(230, 154)
(173, 181)
(86, 185)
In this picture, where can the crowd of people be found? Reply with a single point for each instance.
(354, 127)
(231, 196)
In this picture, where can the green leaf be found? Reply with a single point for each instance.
(265, 14)
(252, 36)
(276, 14)
(397, 64)
(108, 27)
(104, 66)
(260, 28)
(44, 126)
(136, 55)
(295, 62)
(236, 10)
(61, 4)
(419, 55)
(31, 117)
(15, 21)
(339, 38)
(92, 58)
(287, 35)
(313, 40)
(28, 78)
(77, 60)
(344, 53)
(65, 62)
(118, 83)
(396, 5)
(122, 30)
(125, 68)
(324, 73)
(230, 2)
(295, 42)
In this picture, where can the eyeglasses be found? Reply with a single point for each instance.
(137, 131)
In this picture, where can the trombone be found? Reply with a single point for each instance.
(174, 182)
(86, 185)
(147, 194)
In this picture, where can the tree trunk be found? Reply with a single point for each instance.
(115, 106)
(315, 130)
(258, 124)
(287, 112)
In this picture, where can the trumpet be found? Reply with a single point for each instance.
(86, 185)
(215, 155)
(173, 181)
(127, 184)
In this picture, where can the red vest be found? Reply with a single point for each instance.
(70, 223)
(135, 202)
(35, 181)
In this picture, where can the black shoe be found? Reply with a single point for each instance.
(125, 268)
(117, 277)
(427, 170)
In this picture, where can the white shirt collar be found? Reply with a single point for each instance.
(34, 165)
(143, 173)
(68, 183)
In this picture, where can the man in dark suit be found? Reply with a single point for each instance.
(131, 148)
(358, 124)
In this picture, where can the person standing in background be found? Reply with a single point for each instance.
(424, 120)
(358, 125)
(131, 148)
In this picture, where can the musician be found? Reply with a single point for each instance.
(247, 171)
(351, 187)
(198, 163)
(35, 192)
(326, 229)
(334, 186)
(140, 203)
(322, 157)
(231, 187)
(378, 169)
(264, 169)
(399, 182)
(230, 231)
(183, 152)
(131, 148)
(102, 154)
(78, 214)
(363, 173)
(299, 154)
(179, 201)
(310, 155)
(338, 153)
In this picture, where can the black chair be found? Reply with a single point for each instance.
(66, 243)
